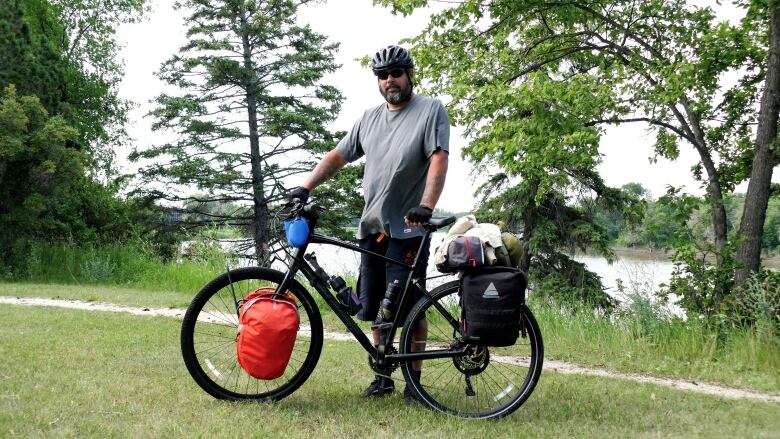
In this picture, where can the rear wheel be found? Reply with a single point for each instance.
(208, 337)
(487, 382)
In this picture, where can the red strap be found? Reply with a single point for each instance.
(468, 251)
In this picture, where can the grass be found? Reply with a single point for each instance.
(74, 373)
(689, 350)
(675, 349)
(123, 265)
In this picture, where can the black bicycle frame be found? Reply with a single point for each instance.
(300, 264)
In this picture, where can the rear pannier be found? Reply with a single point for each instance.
(492, 298)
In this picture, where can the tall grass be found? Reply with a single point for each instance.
(640, 339)
(134, 265)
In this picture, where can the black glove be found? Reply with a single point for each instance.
(419, 214)
(300, 192)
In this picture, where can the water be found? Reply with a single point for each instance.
(636, 271)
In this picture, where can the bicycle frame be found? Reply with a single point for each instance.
(300, 264)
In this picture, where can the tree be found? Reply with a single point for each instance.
(543, 71)
(65, 52)
(764, 19)
(60, 120)
(90, 100)
(29, 58)
(252, 112)
(44, 192)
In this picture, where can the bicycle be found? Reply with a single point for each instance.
(459, 376)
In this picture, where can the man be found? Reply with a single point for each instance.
(406, 144)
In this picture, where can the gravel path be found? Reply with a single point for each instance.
(556, 366)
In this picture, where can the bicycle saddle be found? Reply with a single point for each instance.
(441, 221)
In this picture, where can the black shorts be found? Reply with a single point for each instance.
(375, 273)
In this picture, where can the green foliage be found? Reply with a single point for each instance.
(64, 52)
(44, 192)
(134, 264)
(28, 45)
(46, 195)
(561, 280)
(535, 82)
(759, 304)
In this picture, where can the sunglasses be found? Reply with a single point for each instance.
(395, 73)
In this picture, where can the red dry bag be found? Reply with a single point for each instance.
(268, 325)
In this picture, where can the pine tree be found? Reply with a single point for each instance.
(252, 111)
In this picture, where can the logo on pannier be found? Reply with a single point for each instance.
(490, 292)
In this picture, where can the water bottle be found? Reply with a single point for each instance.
(345, 295)
(387, 307)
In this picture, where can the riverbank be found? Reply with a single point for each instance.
(771, 261)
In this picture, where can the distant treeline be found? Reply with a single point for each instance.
(667, 221)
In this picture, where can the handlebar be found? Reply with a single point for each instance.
(312, 211)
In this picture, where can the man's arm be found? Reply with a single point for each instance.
(434, 183)
(326, 168)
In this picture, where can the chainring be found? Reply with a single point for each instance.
(388, 368)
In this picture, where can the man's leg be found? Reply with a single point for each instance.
(371, 287)
(406, 250)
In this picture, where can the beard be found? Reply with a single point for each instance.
(399, 97)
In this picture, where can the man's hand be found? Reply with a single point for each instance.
(300, 192)
(417, 216)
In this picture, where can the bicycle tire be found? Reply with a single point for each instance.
(208, 338)
(492, 389)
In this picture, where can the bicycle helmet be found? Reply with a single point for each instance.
(391, 56)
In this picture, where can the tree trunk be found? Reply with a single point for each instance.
(719, 222)
(751, 229)
(260, 204)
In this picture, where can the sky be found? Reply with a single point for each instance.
(361, 29)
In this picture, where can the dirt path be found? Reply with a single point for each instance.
(556, 366)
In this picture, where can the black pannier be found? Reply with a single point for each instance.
(491, 301)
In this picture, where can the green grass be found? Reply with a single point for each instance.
(72, 373)
(123, 265)
(677, 349)
(691, 350)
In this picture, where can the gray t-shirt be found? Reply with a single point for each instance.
(398, 146)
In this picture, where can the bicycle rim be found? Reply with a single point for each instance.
(208, 338)
(489, 382)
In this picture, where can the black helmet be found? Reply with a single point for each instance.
(391, 56)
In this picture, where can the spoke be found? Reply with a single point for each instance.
(210, 334)
(218, 317)
(220, 348)
(228, 309)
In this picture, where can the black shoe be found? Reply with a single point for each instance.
(381, 386)
(409, 395)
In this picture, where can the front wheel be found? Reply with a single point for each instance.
(208, 337)
(487, 382)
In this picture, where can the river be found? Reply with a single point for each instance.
(637, 270)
